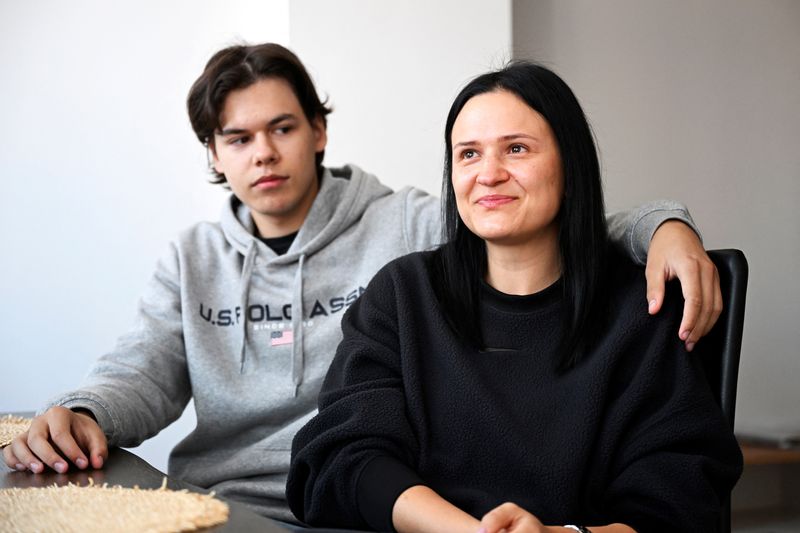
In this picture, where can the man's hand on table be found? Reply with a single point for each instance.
(56, 438)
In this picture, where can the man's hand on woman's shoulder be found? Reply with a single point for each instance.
(676, 252)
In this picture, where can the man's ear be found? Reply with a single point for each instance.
(213, 160)
(320, 134)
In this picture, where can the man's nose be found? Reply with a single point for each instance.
(265, 152)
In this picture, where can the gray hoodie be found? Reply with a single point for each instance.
(249, 334)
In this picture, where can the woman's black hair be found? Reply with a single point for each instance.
(238, 67)
(582, 229)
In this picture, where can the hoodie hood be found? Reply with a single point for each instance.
(345, 193)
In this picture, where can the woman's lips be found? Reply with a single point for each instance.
(494, 200)
(269, 182)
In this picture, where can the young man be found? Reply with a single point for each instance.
(243, 315)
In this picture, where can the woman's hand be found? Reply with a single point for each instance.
(421, 510)
(56, 433)
(511, 518)
(676, 252)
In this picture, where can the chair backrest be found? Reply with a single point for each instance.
(720, 349)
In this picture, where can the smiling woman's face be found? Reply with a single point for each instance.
(507, 172)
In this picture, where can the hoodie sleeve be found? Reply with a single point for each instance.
(632, 230)
(142, 385)
(422, 220)
(352, 460)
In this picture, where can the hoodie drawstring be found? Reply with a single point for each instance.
(298, 362)
(244, 284)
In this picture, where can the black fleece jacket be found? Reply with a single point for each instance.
(632, 434)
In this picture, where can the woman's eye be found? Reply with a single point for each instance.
(467, 154)
(517, 149)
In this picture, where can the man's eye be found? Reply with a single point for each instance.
(239, 140)
(283, 130)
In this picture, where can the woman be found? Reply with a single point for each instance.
(509, 379)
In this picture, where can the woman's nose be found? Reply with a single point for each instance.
(492, 171)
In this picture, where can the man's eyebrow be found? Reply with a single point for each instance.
(230, 131)
(508, 137)
(239, 131)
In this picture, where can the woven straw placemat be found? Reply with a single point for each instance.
(101, 508)
(10, 427)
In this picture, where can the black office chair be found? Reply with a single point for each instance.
(720, 349)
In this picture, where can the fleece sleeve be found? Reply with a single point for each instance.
(142, 385)
(352, 461)
(673, 458)
(632, 230)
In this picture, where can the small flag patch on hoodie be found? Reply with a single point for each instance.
(279, 338)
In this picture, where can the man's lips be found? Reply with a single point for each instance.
(494, 200)
(269, 182)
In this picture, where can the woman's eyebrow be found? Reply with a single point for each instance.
(519, 136)
(509, 137)
(465, 143)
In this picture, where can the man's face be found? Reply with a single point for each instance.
(266, 149)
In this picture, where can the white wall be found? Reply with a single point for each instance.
(391, 70)
(100, 169)
(700, 101)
